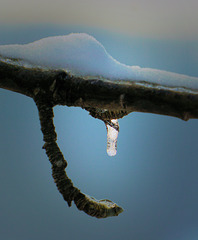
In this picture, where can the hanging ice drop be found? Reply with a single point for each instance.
(112, 136)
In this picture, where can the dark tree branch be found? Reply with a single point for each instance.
(104, 99)
(96, 93)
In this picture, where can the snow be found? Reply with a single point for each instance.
(82, 55)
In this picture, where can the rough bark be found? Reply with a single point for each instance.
(104, 99)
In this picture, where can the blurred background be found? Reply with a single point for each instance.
(154, 174)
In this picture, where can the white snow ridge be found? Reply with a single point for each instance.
(83, 55)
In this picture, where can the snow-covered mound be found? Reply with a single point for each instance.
(82, 54)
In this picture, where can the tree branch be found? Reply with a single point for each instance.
(103, 98)
(97, 93)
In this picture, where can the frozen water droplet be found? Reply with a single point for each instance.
(112, 136)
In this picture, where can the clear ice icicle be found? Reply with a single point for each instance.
(112, 136)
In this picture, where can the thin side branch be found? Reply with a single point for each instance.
(91, 206)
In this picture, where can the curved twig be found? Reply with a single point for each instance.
(91, 206)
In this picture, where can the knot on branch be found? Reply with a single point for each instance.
(106, 115)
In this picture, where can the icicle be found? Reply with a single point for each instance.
(112, 136)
